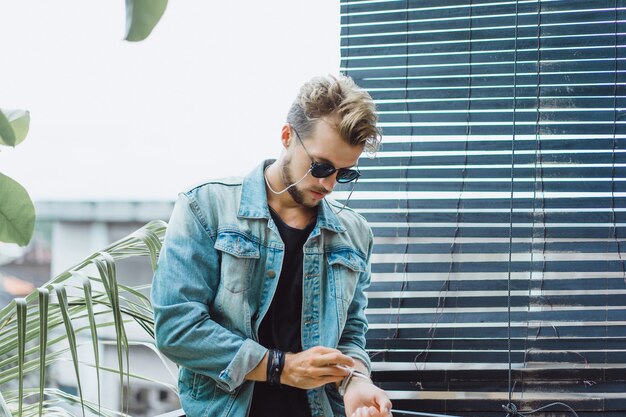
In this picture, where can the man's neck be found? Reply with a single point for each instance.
(293, 214)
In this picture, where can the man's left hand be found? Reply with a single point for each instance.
(364, 399)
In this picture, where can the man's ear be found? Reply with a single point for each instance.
(285, 135)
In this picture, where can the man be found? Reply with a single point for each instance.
(259, 290)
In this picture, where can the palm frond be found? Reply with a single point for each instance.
(71, 337)
(93, 326)
(44, 301)
(41, 329)
(21, 310)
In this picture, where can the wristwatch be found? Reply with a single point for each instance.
(354, 373)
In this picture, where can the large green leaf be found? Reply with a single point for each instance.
(141, 17)
(17, 212)
(13, 126)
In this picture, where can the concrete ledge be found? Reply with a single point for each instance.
(104, 211)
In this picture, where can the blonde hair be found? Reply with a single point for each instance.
(341, 102)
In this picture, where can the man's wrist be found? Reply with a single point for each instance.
(354, 375)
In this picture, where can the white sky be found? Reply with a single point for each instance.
(204, 96)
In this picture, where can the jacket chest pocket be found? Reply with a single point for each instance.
(238, 256)
(345, 267)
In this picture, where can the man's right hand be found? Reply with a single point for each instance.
(315, 367)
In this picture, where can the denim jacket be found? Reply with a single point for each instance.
(216, 276)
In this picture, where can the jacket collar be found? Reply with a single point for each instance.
(253, 204)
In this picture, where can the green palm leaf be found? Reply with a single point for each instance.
(84, 302)
(22, 312)
(92, 326)
(44, 299)
(4, 410)
(106, 267)
(71, 336)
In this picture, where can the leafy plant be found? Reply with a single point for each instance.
(141, 17)
(17, 212)
(82, 300)
(75, 295)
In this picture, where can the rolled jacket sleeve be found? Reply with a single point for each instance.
(185, 284)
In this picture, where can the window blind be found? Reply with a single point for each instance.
(497, 202)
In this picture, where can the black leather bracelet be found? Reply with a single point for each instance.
(270, 364)
(275, 364)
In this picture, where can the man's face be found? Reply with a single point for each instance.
(324, 144)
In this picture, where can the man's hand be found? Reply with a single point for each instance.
(315, 367)
(364, 399)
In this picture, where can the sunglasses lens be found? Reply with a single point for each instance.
(347, 175)
(343, 175)
(321, 170)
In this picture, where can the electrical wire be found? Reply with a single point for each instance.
(416, 413)
(405, 262)
(510, 259)
(511, 409)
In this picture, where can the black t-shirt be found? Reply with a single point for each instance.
(280, 328)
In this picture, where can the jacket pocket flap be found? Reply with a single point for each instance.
(237, 245)
(349, 259)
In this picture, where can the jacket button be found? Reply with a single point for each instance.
(271, 273)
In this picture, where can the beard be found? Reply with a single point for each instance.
(296, 194)
(288, 181)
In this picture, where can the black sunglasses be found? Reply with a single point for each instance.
(324, 169)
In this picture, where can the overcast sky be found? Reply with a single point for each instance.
(204, 96)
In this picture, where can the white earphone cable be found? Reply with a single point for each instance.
(288, 187)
